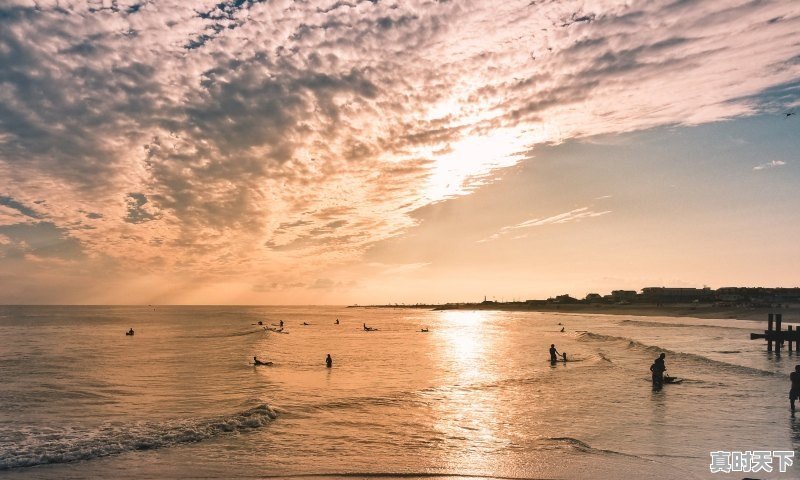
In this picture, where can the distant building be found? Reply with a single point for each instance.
(565, 299)
(674, 295)
(623, 295)
(593, 297)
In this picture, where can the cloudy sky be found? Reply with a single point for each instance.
(348, 151)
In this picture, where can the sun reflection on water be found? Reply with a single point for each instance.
(467, 412)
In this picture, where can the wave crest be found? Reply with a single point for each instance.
(69, 446)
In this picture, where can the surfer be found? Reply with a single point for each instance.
(328, 361)
(129, 332)
(562, 329)
(256, 361)
(658, 368)
(794, 393)
(336, 322)
(368, 329)
(564, 356)
(553, 353)
(281, 323)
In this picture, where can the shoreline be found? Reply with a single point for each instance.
(790, 312)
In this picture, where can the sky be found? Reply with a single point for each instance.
(355, 152)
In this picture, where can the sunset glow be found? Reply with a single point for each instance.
(359, 152)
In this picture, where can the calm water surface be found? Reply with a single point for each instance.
(475, 396)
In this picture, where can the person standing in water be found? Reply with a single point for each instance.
(328, 361)
(553, 353)
(794, 393)
(658, 368)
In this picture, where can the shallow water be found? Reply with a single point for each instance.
(475, 396)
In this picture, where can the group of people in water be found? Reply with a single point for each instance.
(659, 369)
(328, 359)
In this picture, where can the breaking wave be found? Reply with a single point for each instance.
(654, 349)
(644, 323)
(54, 446)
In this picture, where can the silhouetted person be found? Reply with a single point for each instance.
(260, 322)
(256, 361)
(562, 329)
(328, 361)
(553, 353)
(564, 356)
(794, 393)
(129, 332)
(336, 322)
(658, 368)
(281, 323)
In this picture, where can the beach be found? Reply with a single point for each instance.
(474, 397)
(703, 310)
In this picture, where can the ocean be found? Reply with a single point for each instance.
(474, 397)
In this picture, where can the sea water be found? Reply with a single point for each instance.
(474, 396)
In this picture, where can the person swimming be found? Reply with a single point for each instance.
(256, 361)
(328, 361)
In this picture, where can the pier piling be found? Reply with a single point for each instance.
(768, 331)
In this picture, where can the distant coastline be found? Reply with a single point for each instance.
(791, 312)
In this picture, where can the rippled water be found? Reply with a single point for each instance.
(475, 396)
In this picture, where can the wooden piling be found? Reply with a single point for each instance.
(791, 338)
(768, 331)
(778, 340)
(797, 338)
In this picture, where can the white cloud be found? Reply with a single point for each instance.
(772, 164)
(247, 138)
(575, 215)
